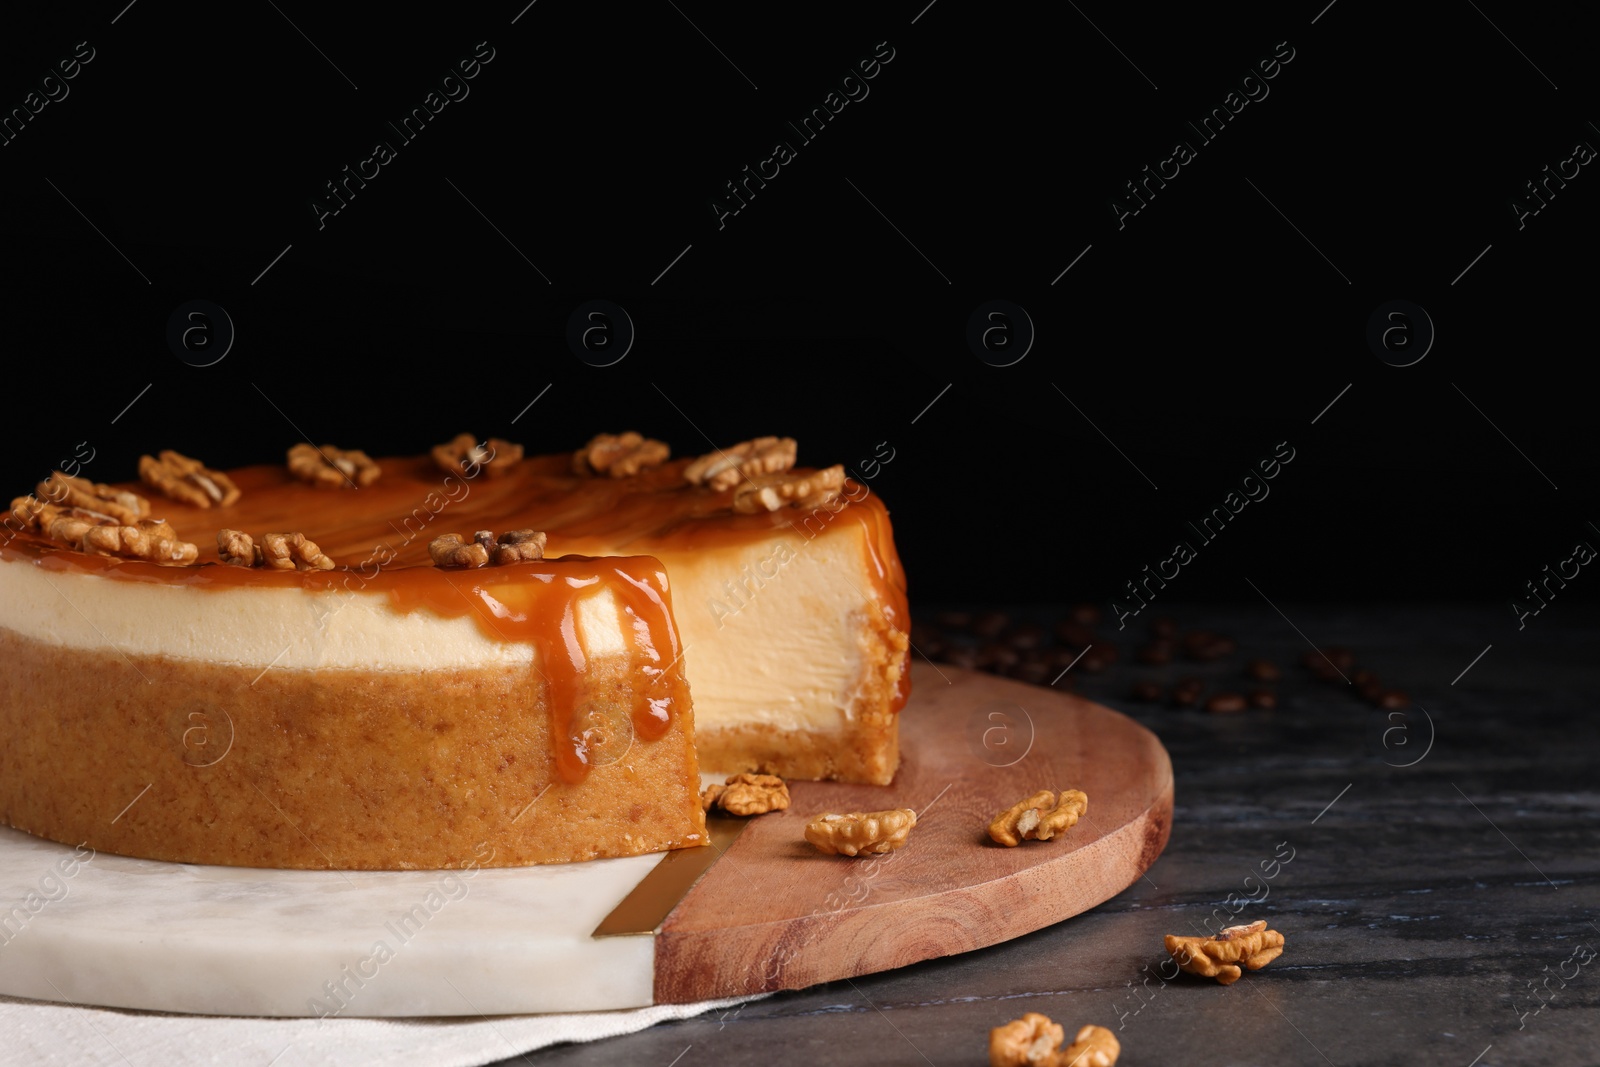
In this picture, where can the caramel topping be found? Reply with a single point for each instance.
(537, 603)
(378, 540)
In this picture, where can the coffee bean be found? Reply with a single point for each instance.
(1062, 658)
(963, 656)
(1097, 659)
(931, 647)
(991, 624)
(1205, 646)
(1025, 635)
(1263, 670)
(1086, 614)
(997, 657)
(1221, 648)
(1394, 699)
(1034, 672)
(1157, 652)
(1225, 703)
(1186, 692)
(1074, 634)
(1264, 699)
(1163, 629)
(1367, 685)
(1341, 657)
(922, 634)
(1320, 666)
(955, 620)
(1145, 692)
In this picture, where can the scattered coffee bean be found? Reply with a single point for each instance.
(1205, 646)
(991, 624)
(1225, 703)
(1034, 672)
(1320, 666)
(1367, 685)
(955, 620)
(997, 657)
(1393, 699)
(1158, 651)
(932, 647)
(1145, 692)
(1265, 699)
(1062, 658)
(1086, 614)
(1074, 634)
(1263, 670)
(1025, 635)
(1163, 629)
(963, 656)
(1186, 692)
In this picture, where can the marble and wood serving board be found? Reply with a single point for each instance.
(757, 910)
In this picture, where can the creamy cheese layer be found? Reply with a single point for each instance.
(772, 631)
(288, 628)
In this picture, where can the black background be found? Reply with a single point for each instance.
(834, 306)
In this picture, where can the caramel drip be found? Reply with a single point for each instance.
(538, 603)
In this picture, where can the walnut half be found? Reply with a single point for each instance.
(146, 539)
(747, 794)
(1039, 817)
(1220, 957)
(619, 455)
(277, 551)
(861, 833)
(1035, 1041)
(513, 546)
(84, 516)
(332, 468)
(188, 481)
(769, 492)
(724, 467)
(102, 501)
(465, 457)
(1025, 1042)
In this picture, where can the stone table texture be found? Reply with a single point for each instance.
(1439, 913)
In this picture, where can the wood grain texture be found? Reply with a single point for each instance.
(773, 913)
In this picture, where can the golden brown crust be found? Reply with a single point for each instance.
(867, 753)
(358, 770)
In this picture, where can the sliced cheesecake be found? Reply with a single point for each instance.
(377, 700)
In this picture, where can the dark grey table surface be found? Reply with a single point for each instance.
(1436, 913)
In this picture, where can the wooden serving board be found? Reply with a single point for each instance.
(773, 913)
(759, 910)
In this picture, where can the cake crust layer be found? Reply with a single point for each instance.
(342, 769)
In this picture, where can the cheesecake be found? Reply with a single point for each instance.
(465, 657)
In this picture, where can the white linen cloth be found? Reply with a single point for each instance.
(35, 1032)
